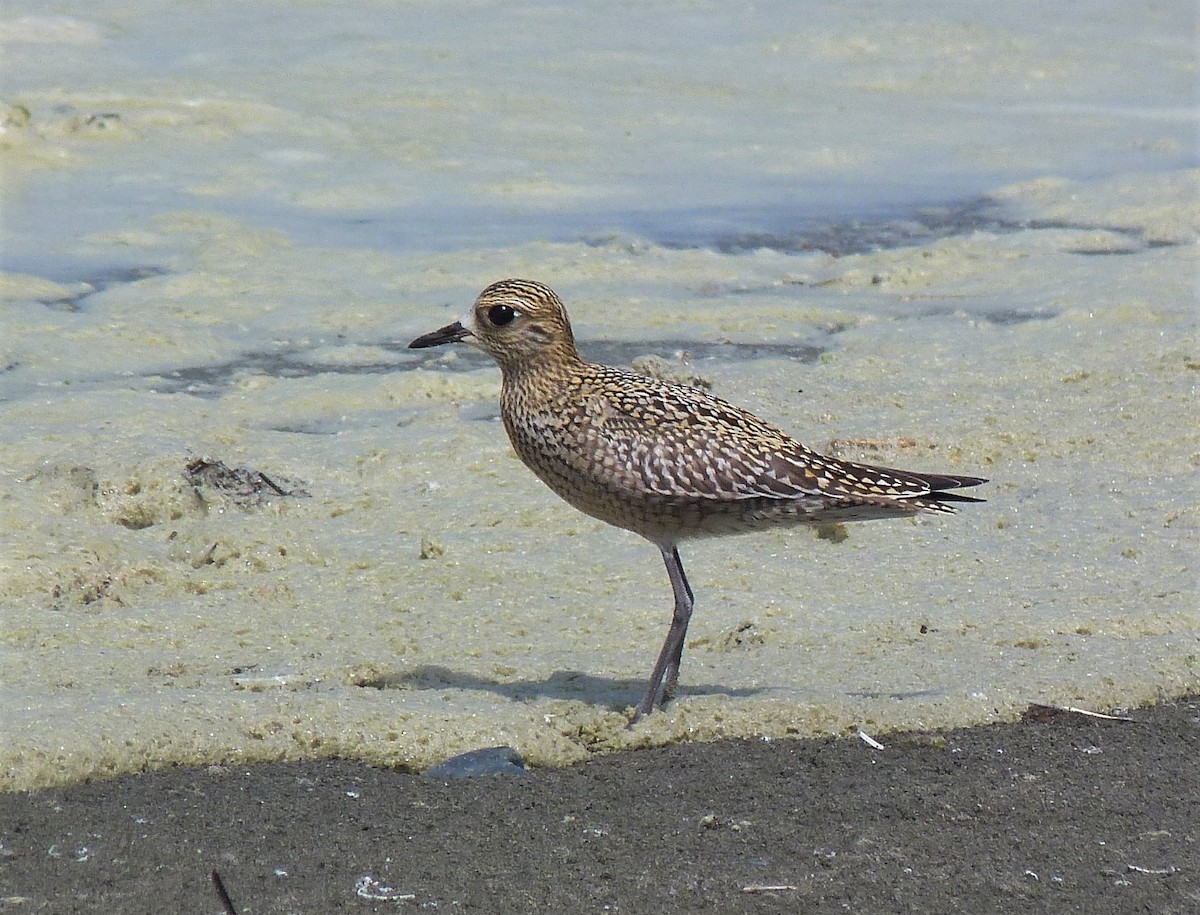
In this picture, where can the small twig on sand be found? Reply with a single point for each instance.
(1040, 710)
(869, 740)
(768, 888)
(223, 894)
(1153, 871)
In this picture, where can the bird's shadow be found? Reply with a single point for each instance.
(610, 692)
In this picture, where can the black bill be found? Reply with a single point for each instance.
(451, 333)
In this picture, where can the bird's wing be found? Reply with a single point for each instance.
(681, 441)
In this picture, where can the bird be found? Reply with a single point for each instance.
(669, 462)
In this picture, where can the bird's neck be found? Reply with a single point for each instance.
(540, 389)
(548, 368)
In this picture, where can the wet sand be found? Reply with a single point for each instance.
(1070, 814)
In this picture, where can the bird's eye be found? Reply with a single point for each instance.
(501, 314)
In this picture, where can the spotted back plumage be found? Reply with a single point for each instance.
(667, 461)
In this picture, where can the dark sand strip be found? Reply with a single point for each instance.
(1066, 815)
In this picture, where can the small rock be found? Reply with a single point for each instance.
(835, 533)
(489, 761)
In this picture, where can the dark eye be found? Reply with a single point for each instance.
(501, 314)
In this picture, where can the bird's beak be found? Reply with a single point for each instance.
(451, 333)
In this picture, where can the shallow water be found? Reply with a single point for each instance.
(909, 238)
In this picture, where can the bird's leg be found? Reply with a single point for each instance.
(666, 669)
(671, 676)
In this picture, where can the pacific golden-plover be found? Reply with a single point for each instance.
(666, 461)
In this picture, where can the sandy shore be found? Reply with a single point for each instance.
(1069, 814)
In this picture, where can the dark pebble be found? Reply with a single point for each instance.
(488, 761)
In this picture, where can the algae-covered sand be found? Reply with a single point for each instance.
(383, 579)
